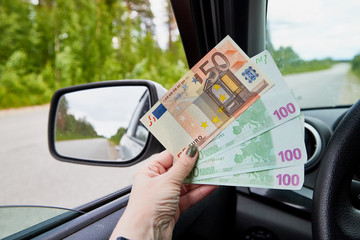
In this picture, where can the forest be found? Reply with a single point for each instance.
(49, 44)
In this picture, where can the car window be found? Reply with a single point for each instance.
(18, 222)
(51, 44)
(142, 107)
(141, 133)
(316, 47)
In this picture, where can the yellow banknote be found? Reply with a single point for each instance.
(217, 90)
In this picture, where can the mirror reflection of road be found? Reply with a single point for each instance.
(330, 87)
(96, 149)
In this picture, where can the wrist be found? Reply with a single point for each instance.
(135, 225)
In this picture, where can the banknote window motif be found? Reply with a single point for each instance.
(227, 92)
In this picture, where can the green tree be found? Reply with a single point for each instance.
(15, 28)
(68, 127)
(355, 65)
(142, 8)
(118, 135)
(57, 43)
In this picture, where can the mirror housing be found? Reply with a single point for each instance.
(151, 144)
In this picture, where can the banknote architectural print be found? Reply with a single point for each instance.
(207, 99)
(228, 93)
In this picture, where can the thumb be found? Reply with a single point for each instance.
(183, 166)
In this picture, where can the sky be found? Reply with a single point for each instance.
(107, 109)
(313, 28)
(158, 8)
(316, 28)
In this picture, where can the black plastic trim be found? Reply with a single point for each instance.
(104, 200)
(203, 23)
(152, 145)
(325, 134)
(295, 202)
(328, 107)
(282, 222)
(185, 23)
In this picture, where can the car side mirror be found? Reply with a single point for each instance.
(99, 123)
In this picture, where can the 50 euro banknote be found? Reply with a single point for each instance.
(279, 147)
(216, 91)
(275, 107)
(290, 178)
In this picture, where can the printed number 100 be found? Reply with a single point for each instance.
(289, 155)
(283, 112)
(286, 179)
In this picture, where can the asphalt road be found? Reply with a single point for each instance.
(30, 175)
(331, 87)
(94, 149)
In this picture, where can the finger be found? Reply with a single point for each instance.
(194, 196)
(191, 186)
(160, 163)
(183, 166)
(187, 187)
(165, 159)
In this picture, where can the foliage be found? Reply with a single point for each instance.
(76, 129)
(58, 43)
(355, 65)
(288, 61)
(69, 128)
(118, 135)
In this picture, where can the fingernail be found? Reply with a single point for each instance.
(191, 151)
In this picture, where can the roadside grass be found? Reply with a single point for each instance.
(72, 136)
(350, 92)
(306, 66)
(356, 72)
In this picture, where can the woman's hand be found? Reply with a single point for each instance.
(158, 197)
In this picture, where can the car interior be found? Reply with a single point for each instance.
(325, 208)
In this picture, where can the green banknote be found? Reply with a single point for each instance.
(275, 107)
(280, 147)
(281, 178)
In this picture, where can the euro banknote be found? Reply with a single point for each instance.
(215, 92)
(280, 178)
(279, 147)
(275, 107)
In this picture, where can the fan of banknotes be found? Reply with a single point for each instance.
(242, 116)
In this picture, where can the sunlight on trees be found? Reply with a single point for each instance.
(58, 43)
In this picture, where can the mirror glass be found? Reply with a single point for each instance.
(102, 123)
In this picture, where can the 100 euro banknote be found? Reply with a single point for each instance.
(279, 147)
(275, 107)
(280, 178)
(216, 91)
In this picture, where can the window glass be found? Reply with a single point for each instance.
(316, 47)
(31, 219)
(49, 44)
(141, 133)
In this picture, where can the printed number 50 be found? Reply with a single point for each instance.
(216, 68)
